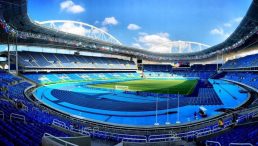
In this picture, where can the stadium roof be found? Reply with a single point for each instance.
(14, 12)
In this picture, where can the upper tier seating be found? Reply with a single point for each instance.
(196, 70)
(157, 68)
(205, 67)
(243, 62)
(49, 60)
(198, 74)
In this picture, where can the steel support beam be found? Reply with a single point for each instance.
(16, 55)
(8, 54)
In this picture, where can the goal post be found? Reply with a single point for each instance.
(120, 87)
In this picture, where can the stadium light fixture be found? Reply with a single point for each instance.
(177, 121)
(167, 122)
(156, 117)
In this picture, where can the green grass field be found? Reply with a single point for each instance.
(156, 86)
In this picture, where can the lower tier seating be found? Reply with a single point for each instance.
(241, 134)
(43, 78)
(250, 79)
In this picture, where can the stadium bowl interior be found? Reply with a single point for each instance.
(82, 90)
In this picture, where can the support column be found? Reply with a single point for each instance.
(222, 56)
(16, 54)
(8, 55)
(217, 62)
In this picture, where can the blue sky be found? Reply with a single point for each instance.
(149, 24)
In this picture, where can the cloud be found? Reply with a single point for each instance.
(72, 28)
(219, 32)
(71, 7)
(232, 22)
(227, 24)
(158, 42)
(161, 43)
(110, 21)
(78, 29)
(137, 45)
(238, 19)
(133, 27)
(223, 30)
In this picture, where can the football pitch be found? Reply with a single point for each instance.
(157, 86)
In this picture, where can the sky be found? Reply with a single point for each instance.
(148, 24)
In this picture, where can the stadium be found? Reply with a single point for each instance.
(63, 88)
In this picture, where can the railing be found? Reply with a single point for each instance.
(2, 114)
(71, 128)
(194, 133)
(204, 133)
(25, 108)
(212, 142)
(17, 116)
(243, 84)
(96, 133)
(95, 129)
(60, 124)
(35, 109)
(85, 132)
(214, 129)
(134, 140)
(163, 139)
(255, 115)
(240, 144)
(119, 137)
(59, 140)
(79, 131)
(162, 135)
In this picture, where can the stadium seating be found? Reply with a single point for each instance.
(7, 79)
(36, 122)
(24, 124)
(205, 67)
(241, 134)
(44, 78)
(48, 60)
(195, 71)
(196, 74)
(152, 74)
(20, 133)
(157, 68)
(250, 78)
(243, 62)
